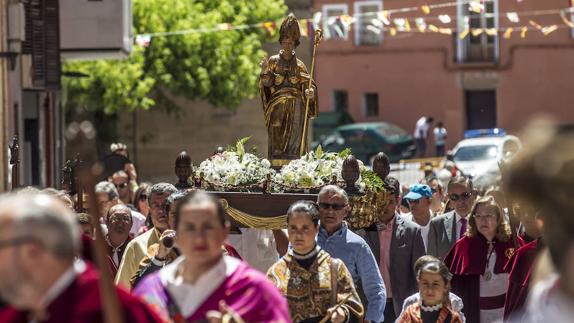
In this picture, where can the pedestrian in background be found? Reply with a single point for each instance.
(421, 135)
(439, 139)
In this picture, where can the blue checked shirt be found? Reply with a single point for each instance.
(357, 256)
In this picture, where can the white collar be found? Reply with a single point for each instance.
(458, 217)
(223, 268)
(189, 297)
(63, 282)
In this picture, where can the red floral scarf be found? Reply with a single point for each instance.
(412, 314)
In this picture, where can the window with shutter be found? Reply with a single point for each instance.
(42, 43)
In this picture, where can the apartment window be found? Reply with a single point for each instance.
(340, 101)
(332, 25)
(481, 43)
(368, 29)
(371, 104)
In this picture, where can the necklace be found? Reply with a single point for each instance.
(487, 273)
(433, 308)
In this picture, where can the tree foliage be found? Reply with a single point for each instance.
(220, 67)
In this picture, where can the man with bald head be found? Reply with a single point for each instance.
(118, 221)
(41, 280)
(137, 249)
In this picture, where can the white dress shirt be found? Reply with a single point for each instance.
(189, 297)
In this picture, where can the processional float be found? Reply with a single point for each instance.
(289, 98)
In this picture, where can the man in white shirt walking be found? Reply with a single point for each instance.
(421, 135)
(439, 139)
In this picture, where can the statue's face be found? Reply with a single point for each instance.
(183, 171)
(287, 45)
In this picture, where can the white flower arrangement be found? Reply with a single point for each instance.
(313, 170)
(234, 169)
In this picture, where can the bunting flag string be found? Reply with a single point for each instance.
(381, 22)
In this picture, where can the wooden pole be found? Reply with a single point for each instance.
(14, 161)
(111, 306)
(78, 164)
(316, 40)
(86, 178)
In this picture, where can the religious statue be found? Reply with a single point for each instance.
(289, 97)
(183, 171)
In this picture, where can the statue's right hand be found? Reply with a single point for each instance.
(264, 64)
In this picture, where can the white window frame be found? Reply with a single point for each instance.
(356, 12)
(325, 10)
(461, 10)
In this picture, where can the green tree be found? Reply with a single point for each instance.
(220, 67)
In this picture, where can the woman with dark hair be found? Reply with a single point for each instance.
(203, 284)
(140, 201)
(315, 284)
(477, 262)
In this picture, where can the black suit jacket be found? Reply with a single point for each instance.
(406, 247)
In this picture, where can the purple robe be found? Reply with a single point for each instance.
(248, 292)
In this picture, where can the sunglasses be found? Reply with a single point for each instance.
(336, 207)
(463, 197)
(143, 197)
(413, 201)
(122, 185)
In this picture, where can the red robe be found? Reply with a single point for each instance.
(86, 253)
(467, 261)
(520, 268)
(109, 257)
(81, 303)
(231, 251)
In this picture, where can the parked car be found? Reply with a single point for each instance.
(367, 139)
(482, 151)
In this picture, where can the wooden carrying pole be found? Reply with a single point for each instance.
(14, 161)
(316, 40)
(111, 307)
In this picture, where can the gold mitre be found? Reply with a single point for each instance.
(290, 29)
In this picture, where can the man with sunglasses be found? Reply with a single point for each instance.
(419, 199)
(340, 242)
(446, 229)
(121, 181)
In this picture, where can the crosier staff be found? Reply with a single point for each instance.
(14, 161)
(86, 177)
(317, 39)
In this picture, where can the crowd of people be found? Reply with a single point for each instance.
(436, 254)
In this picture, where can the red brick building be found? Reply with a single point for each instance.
(480, 81)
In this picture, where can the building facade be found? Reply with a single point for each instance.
(35, 36)
(482, 75)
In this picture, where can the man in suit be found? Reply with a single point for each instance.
(446, 229)
(397, 244)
